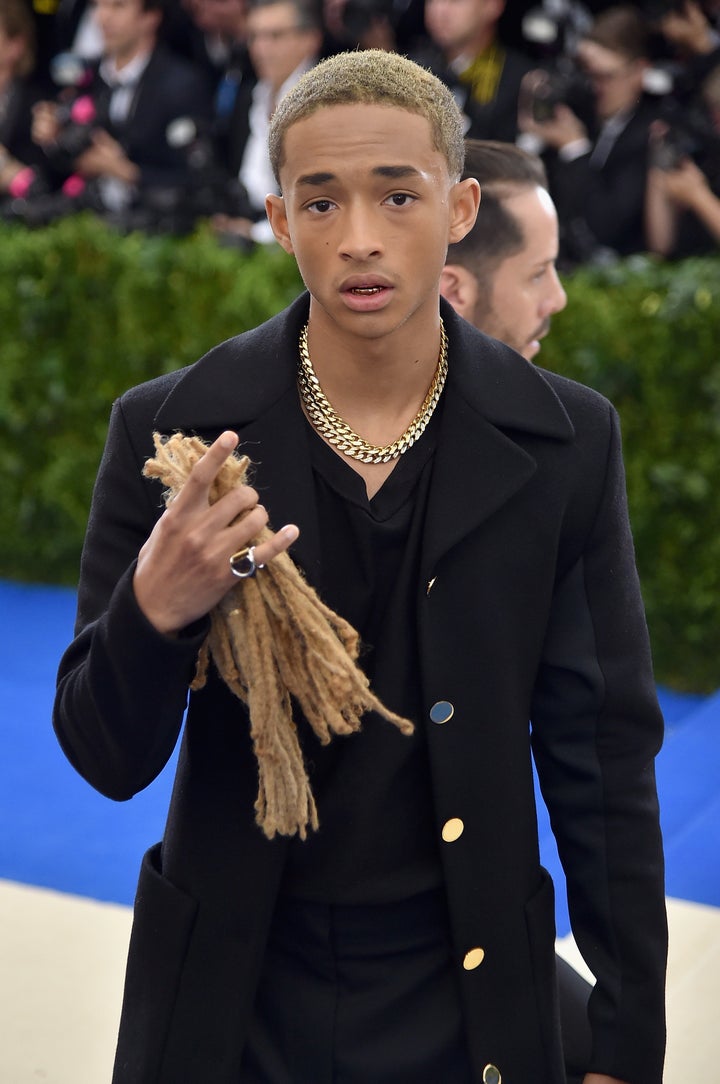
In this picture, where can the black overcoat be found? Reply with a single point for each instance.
(528, 607)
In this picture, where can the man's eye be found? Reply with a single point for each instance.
(401, 199)
(321, 206)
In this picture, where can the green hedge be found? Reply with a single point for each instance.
(85, 313)
(647, 335)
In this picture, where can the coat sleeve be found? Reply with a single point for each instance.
(122, 686)
(597, 728)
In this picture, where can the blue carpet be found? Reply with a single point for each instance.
(59, 833)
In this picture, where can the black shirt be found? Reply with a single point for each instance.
(376, 841)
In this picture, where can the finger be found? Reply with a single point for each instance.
(278, 543)
(197, 486)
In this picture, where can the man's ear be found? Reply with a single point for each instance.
(459, 287)
(277, 217)
(464, 203)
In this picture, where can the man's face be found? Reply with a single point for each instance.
(456, 25)
(125, 27)
(616, 81)
(276, 45)
(368, 209)
(525, 291)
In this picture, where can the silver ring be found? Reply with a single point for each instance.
(242, 563)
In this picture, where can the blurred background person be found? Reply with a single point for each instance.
(372, 24)
(284, 39)
(683, 192)
(502, 277)
(597, 162)
(467, 53)
(114, 127)
(213, 37)
(19, 156)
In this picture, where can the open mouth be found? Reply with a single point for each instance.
(365, 291)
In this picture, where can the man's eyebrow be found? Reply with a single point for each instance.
(322, 177)
(316, 178)
(396, 171)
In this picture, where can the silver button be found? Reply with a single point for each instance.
(441, 711)
(491, 1075)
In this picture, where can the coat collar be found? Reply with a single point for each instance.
(242, 378)
(492, 395)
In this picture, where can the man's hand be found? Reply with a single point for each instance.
(562, 128)
(106, 158)
(688, 28)
(45, 124)
(183, 569)
(685, 185)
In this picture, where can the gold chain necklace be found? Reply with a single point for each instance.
(330, 425)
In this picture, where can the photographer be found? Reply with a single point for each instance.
(683, 192)
(111, 128)
(284, 38)
(19, 156)
(598, 170)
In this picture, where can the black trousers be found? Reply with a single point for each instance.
(368, 995)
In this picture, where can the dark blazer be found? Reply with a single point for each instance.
(527, 607)
(170, 88)
(496, 119)
(609, 200)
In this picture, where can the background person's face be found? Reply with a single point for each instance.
(276, 45)
(616, 80)
(525, 290)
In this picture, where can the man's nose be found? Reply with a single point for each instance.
(557, 298)
(361, 237)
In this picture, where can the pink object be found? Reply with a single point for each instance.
(83, 110)
(21, 183)
(74, 186)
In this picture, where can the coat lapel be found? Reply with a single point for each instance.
(249, 384)
(492, 398)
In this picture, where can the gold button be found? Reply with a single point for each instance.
(430, 585)
(452, 829)
(442, 711)
(473, 958)
(492, 1075)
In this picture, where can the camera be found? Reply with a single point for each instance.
(553, 30)
(669, 149)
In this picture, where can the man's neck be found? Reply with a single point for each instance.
(121, 60)
(375, 384)
(472, 49)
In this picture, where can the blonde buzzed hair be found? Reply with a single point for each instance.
(372, 77)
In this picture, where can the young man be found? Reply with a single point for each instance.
(501, 276)
(477, 538)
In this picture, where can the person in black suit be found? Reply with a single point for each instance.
(466, 51)
(19, 156)
(598, 171)
(465, 511)
(127, 141)
(284, 39)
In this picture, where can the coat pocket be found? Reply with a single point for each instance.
(162, 928)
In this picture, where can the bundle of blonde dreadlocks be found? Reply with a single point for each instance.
(272, 639)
